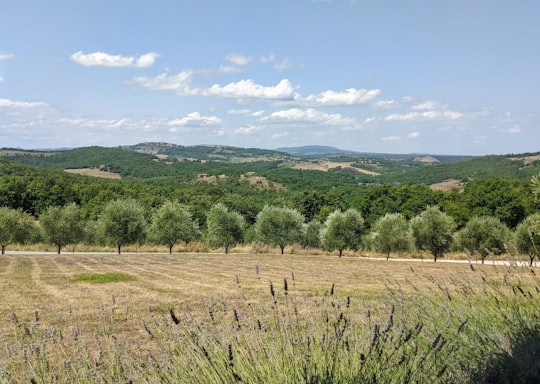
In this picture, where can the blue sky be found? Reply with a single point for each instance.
(422, 76)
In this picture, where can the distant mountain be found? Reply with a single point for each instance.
(313, 150)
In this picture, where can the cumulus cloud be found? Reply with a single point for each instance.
(386, 104)
(7, 103)
(427, 105)
(245, 112)
(311, 116)
(427, 115)
(369, 120)
(165, 82)
(350, 96)
(248, 130)
(248, 89)
(413, 135)
(391, 138)
(102, 59)
(267, 59)
(283, 65)
(195, 119)
(237, 59)
(6, 55)
(514, 130)
(279, 135)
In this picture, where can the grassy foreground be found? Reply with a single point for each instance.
(212, 318)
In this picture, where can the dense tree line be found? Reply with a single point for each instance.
(45, 194)
(312, 193)
(125, 222)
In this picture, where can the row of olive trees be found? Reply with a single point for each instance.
(124, 221)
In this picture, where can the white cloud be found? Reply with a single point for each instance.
(267, 59)
(386, 104)
(351, 96)
(6, 56)
(195, 118)
(243, 89)
(6, 103)
(283, 65)
(279, 135)
(427, 105)
(514, 130)
(413, 135)
(427, 115)
(102, 59)
(237, 59)
(165, 82)
(239, 111)
(1, 79)
(224, 69)
(391, 138)
(248, 89)
(370, 120)
(310, 116)
(248, 130)
(245, 112)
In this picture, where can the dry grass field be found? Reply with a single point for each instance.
(105, 317)
(45, 283)
(95, 172)
(325, 166)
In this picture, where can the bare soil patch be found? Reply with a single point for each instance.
(447, 185)
(426, 159)
(94, 172)
(325, 166)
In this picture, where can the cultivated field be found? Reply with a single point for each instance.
(49, 299)
(95, 172)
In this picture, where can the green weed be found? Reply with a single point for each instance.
(102, 278)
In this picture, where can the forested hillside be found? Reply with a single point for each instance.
(493, 185)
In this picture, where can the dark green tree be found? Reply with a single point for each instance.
(496, 197)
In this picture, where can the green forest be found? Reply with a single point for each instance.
(498, 187)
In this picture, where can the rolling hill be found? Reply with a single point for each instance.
(151, 160)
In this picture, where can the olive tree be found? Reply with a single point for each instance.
(343, 230)
(432, 231)
(15, 226)
(527, 237)
(122, 222)
(277, 226)
(224, 228)
(62, 226)
(483, 235)
(312, 234)
(391, 234)
(172, 223)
